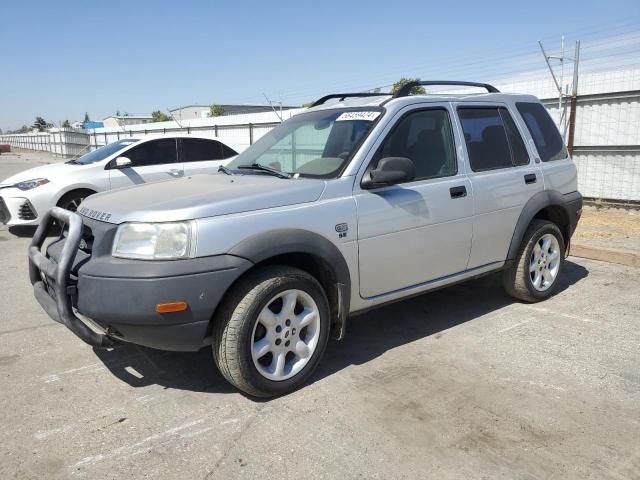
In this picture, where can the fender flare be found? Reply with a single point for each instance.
(289, 241)
(570, 203)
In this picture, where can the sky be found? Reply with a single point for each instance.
(61, 59)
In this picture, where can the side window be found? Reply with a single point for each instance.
(543, 131)
(155, 152)
(492, 138)
(227, 151)
(518, 150)
(425, 137)
(199, 150)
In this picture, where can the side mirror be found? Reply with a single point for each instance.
(390, 170)
(122, 162)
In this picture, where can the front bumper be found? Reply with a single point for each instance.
(79, 283)
(17, 211)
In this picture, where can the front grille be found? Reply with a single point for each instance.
(27, 212)
(5, 216)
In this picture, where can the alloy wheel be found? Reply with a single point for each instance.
(285, 335)
(544, 262)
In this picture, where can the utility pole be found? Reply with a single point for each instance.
(562, 106)
(574, 100)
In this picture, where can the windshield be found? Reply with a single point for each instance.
(103, 152)
(315, 144)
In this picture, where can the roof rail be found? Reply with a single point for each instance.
(342, 96)
(405, 90)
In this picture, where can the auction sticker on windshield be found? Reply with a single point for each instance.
(369, 116)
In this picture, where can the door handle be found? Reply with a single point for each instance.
(174, 172)
(458, 192)
(530, 178)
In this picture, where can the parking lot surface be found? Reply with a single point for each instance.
(460, 383)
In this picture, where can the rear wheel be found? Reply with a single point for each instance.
(271, 332)
(534, 274)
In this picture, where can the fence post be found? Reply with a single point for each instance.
(215, 130)
(251, 134)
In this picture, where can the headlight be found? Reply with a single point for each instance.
(29, 184)
(155, 241)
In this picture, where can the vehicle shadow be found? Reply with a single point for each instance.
(22, 231)
(28, 231)
(368, 336)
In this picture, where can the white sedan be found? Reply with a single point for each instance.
(25, 197)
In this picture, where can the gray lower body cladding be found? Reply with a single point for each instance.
(126, 306)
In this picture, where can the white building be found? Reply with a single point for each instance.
(115, 121)
(189, 112)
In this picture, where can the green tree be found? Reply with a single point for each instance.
(41, 124)
(376, 90)
(86, 117)
(307, 104)
(216, 110)
(403, 81)
(66, 124)
(159, 116)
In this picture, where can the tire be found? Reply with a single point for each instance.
(71, 200)
(254, 317)
(534, 277)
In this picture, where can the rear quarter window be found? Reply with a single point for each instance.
(544, 132)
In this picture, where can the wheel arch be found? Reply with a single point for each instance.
(74, 188)
(310, 252)
(546, 205)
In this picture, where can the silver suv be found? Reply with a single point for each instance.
(362, 200)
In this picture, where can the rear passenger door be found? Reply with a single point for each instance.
(502, 174)
(418, 231)
(200, 155)
(151, 161)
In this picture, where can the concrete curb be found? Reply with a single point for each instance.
(611, 255)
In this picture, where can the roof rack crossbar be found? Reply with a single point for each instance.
(405, 90)
(342, 96)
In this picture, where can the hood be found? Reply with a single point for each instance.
(199, 196)
(50, 172)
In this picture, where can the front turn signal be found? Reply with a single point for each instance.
(172, 307)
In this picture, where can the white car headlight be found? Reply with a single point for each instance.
(30, 184)
(155, 241)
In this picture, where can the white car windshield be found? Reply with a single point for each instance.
(103, 152)
(314, 144)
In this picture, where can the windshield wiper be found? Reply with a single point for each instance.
(226, 170)
(264, 168)
(72, 162)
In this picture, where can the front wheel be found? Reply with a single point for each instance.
(540, 261)
(72, 200)
(271, 332)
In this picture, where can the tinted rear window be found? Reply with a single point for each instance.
(543, 131)
(518, 150)
(492, 138)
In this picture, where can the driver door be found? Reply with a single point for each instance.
(415, 232)
(151, 161)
